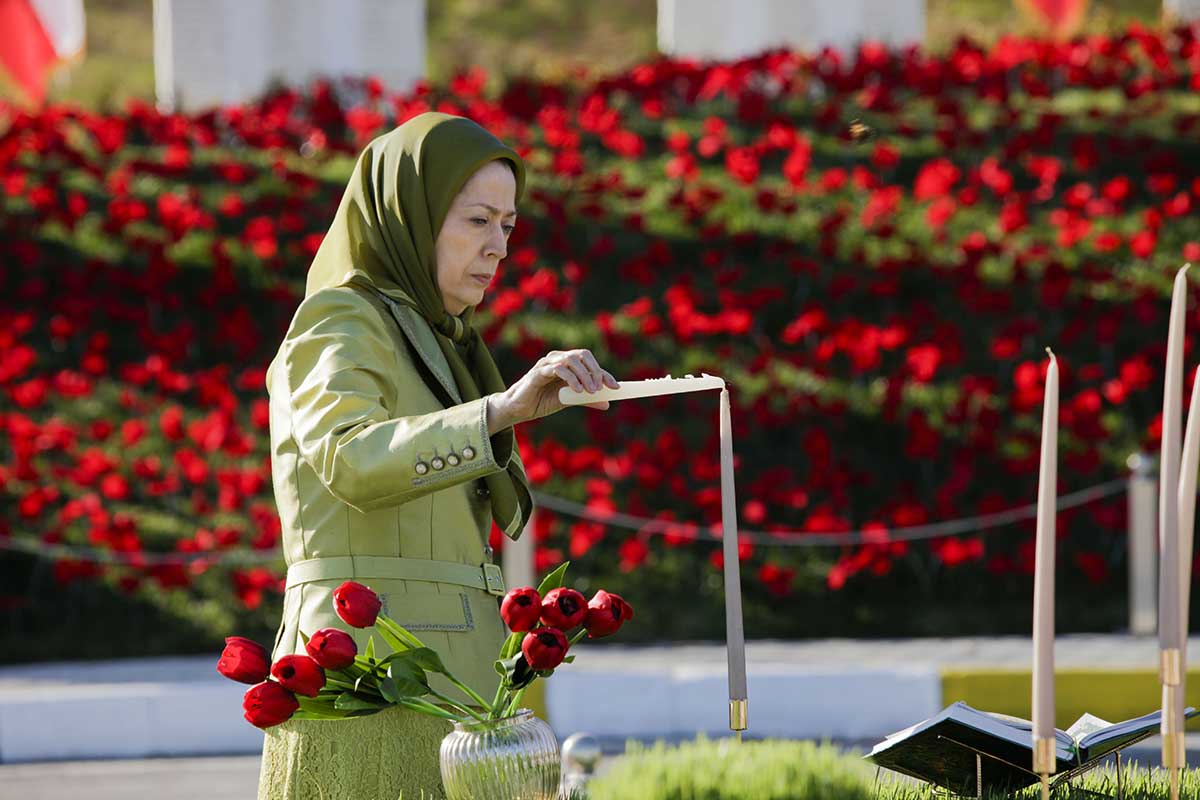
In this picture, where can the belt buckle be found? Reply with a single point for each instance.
(493, 579)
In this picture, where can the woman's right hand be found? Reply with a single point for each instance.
(535, 395)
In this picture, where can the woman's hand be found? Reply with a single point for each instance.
(535, 395)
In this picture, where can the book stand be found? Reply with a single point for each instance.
(1064, 777)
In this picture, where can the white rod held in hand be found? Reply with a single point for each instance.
(647, 388)
(734, 633)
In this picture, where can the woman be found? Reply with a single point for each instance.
(392, 446)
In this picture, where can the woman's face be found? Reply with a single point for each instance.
(474, 237)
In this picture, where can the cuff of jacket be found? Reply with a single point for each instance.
(465, 430)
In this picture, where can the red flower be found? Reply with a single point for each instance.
(299, 674)
(606, 613)
(521, 609)
(357, 605)
(268, 704)
(564, 608)
(545, 648)
(244, 660)
(332, 648)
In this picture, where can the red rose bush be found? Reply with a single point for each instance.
(332, 680)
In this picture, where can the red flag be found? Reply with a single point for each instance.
(35, 37)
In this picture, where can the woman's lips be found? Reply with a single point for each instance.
(482, 280)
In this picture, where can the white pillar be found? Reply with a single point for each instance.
(1143, 545)
(216, 52)
(1181, 10)
(517, 559)
(730, 29)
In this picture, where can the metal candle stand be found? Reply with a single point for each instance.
(1066, 777)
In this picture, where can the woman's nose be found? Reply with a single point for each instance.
(497, 243)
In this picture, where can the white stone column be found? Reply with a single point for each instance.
(517, 559)
(216, 52)
(1181, 10)
(730, 29)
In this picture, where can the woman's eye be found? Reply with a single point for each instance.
(479, 220)
(509, 228)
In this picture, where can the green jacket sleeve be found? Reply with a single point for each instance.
(341, 367)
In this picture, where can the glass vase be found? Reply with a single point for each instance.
(512, 758)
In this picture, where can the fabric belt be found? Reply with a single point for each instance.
(487, 577)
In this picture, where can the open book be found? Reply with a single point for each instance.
(941, 749)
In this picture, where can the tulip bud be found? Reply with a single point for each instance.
(606, 613)
(332, 648)
(244, 660)
(564, 608)
(267, 703)
(544, 648)
(357, 605)
(521, 609)
(299, 674)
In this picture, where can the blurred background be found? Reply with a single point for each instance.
(871, 218)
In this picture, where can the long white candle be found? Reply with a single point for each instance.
(1168, 472)
(1170, 614)
(1043, 579)
(734, 634)
(1189, 464)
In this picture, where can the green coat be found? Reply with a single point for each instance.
(363, 456)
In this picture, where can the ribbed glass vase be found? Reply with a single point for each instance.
(513, 758)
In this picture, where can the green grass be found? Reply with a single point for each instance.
(722, 769)
(546, 39)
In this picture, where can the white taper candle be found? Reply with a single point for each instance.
(1043, 579)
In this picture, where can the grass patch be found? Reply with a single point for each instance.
(771, 769)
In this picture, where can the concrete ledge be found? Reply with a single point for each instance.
(791, 702)
(849, 690)
(132, 720)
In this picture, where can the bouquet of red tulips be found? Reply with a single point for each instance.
(332, 680)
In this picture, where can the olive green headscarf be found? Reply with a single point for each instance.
(383, 235)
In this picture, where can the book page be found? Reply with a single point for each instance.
(1088, 723)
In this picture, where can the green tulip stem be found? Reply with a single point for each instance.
(496, 706)
(397, 630)
(467, 690)
(516, 701)
(426, 707)
(460, 706)
(582, 633)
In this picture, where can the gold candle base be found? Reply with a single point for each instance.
(738, 715)
(1044, 762)
(1174, 751)
(1170, 667)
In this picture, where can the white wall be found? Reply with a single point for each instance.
(727, 29)
(210, 52)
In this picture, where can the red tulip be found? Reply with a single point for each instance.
(332, 648)
(521, 609)
(606, 613)
(564, 608)
(244, 660)
(267, 703)
(299, 674)
(544, 648)
(356, 604)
